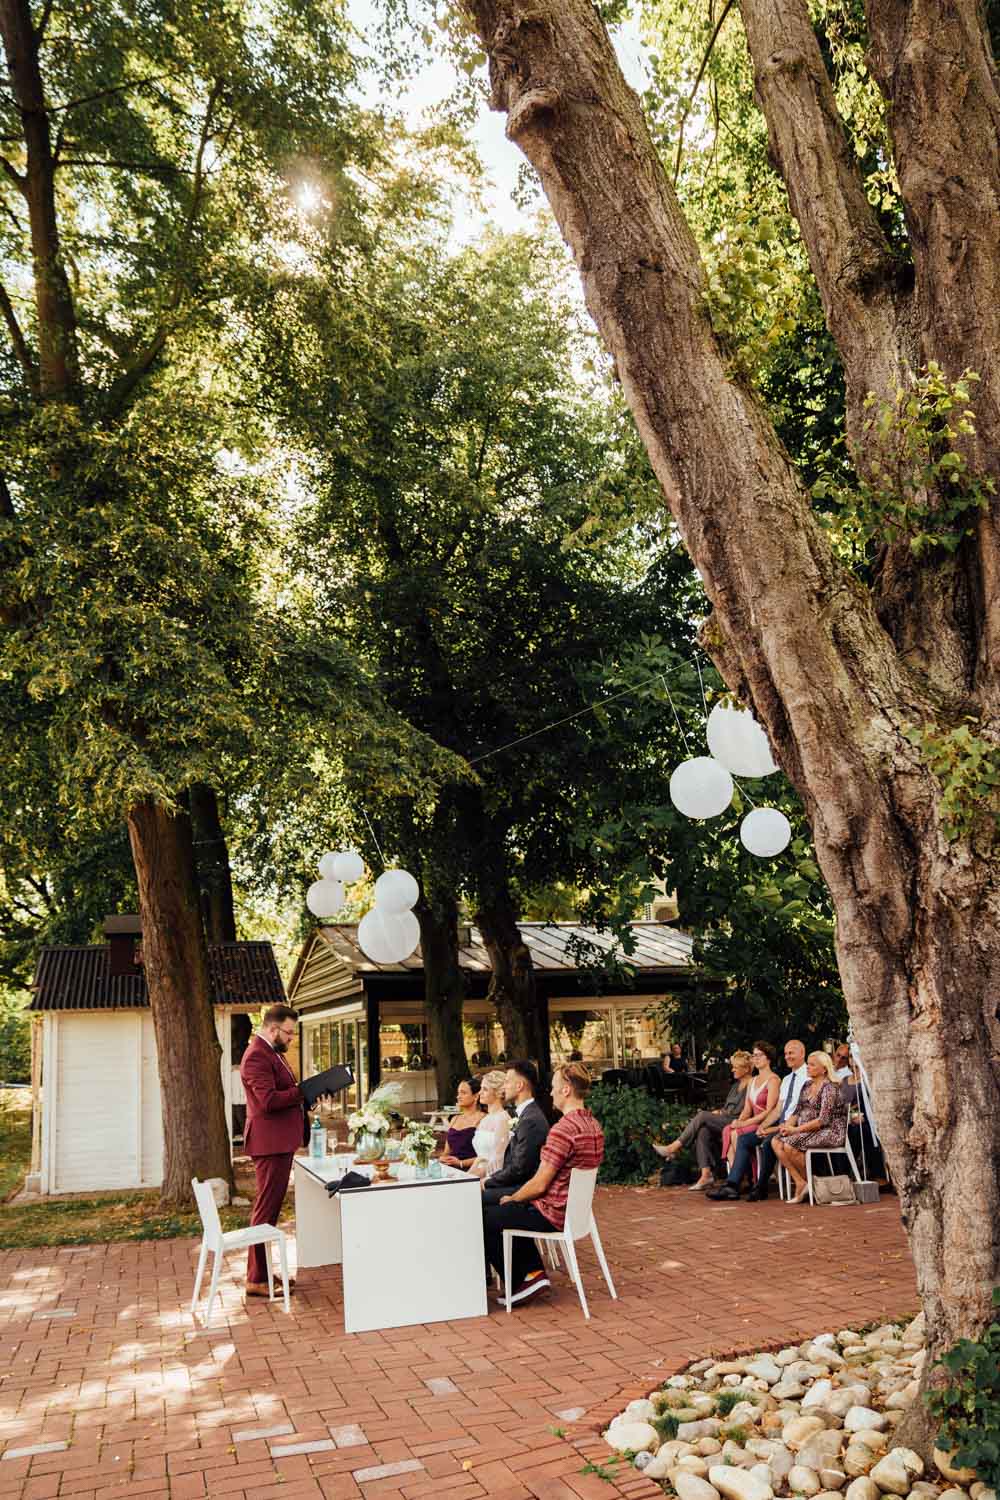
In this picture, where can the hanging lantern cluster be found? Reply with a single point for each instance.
(703, 786)
(389, 932)
(325, 897)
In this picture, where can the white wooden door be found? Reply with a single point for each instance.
(95, 1106)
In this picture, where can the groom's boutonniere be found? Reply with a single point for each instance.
(513, 1124)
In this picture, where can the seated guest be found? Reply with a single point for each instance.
(674, 1061)
(527, 1136)
(819, 1122)
(458, 1148)
(750, 1140)
(704, 1131)
(575, 1057)
(490, 1140)
(758, 1102)
(540, 1204)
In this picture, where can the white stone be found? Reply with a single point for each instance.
(901, 1399)
(980, 1491)
(689, 1432)
(895, 1473)
(658, 1468)
(763, 1473)
(738, 1484)
(825, 1338)
(863, 1418)
(220, 1190)
(800, 1429)
(781, 1463)
(832, 1479)
(673, 1451)
(785, 1357)
(786, 1389)
(635, 1437)
(692, 1464)
(684, 1382)
(729, 1367)
(744, 1413)
(945, 1467)
(765, 1369)
(847, 1396)
(692, 1486)
(803, 1481)
(953, 1494)
(639, 1411)
(818, 1394)
(822, 1354)
(862, 1489)
(708, 1445)
(871, 1438)
(858, 1460)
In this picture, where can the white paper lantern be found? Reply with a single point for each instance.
(765, 832)
(328, 866)
(396, 891)
(738, 742)
(701, 788)
(348, 866)
(386, 938)
(325, 898)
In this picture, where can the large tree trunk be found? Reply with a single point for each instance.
(522, 1012)
(794, 633)
(444, 991)
(175, 959)
(211, 857)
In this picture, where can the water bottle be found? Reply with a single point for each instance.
(317, 1140)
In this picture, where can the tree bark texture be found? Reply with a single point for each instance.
(794, 633)
(521, 1011)
(444, 991)
(211, 857)
(175, 959)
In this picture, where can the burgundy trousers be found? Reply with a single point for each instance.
(273, 1173)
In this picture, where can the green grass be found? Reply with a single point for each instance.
(86, 1221)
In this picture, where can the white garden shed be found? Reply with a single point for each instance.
(97, 1119)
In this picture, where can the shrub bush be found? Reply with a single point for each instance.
(631, 1120)
(968, 1406)
(15, 1040)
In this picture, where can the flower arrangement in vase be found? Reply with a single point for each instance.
(419, 1141)
(370, 1125)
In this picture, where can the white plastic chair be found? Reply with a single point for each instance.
(784, 1177)
(580, 1222)
(220, 1241)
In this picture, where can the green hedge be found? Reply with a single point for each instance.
(631, 1120)
(15, 1040)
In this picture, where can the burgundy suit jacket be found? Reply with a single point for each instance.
(276, 1121)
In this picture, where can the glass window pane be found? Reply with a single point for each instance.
(586, 1031)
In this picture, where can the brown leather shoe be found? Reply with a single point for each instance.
(259, 1288)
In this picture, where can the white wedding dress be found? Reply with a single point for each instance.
(490, 1142)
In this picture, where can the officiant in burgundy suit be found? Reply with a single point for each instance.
(276, 1126)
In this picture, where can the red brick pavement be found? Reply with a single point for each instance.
(152, 1404)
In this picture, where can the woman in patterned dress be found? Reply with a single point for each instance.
(819, 1122)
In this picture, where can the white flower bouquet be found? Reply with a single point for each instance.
(374, 1117)
(419, 1142)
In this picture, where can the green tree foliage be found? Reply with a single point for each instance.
(15, 1040)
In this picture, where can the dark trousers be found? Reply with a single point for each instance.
(705, 1131)
(746, 1148)
(525, 1258)
(273, 1173)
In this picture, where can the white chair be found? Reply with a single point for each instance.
(221, 1241)
(784, 1177)
(580, 1222)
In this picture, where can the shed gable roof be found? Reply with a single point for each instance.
(72, 978)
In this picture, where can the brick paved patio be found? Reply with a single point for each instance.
(119, 1393)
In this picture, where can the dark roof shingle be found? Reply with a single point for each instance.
(80, 979)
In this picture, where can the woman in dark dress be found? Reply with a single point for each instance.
(458, 1148)
(819, 1122)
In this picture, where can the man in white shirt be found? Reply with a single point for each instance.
(746, 1145)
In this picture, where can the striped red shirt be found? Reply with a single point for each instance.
(576, 1140)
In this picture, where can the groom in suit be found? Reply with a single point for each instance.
(276, 1126)
(524, 1151)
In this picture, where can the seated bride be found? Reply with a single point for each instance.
(493, 1131)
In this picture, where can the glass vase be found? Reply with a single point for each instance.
(369, 1145)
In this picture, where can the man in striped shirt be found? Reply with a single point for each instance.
(540, 1205)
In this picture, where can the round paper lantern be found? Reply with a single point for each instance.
(738, 742)
(387, 938)
(765, 832)
(348, 866)
(701, 788)
(325, 898)
(328, 866)
(396, 891)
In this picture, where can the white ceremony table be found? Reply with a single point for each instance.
(411, 1248)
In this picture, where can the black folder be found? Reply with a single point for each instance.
(330, 1082)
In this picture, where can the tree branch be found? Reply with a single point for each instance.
(58, 362)
(855, 269)
(696, 85)
(20, 343)
(10, 171)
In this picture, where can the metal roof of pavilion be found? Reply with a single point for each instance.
(77, 978)
(658, 948)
